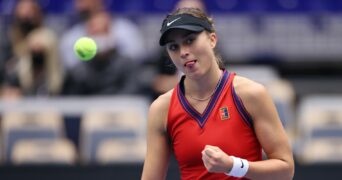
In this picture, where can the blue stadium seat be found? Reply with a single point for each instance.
(17, 126)
(114, 151)
(319, 129)
(44, 151)
(111, 123)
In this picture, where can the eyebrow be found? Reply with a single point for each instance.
(186, 35)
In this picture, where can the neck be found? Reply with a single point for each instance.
(203, 88)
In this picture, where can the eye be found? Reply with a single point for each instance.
(172, 47)
(189, 40)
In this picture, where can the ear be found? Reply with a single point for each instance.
(213, 40)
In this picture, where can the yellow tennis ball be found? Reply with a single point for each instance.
(85, 48)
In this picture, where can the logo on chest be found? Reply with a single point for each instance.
(224, 113)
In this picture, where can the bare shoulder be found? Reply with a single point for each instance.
(159, 109)
(162, 102)
(248, 89)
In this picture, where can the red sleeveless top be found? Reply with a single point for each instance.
(224, 123)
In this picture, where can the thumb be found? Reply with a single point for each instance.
(209, 152)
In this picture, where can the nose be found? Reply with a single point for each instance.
(184, 52)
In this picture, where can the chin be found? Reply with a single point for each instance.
(196, 74)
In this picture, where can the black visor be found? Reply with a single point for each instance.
(183, 21)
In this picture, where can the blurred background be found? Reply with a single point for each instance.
(62, 118)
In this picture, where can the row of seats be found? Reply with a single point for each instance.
(111, 130)
(123, 132)
(18, 126)
(319, 129)
(40, 138)
(285, 36)
(288, 36)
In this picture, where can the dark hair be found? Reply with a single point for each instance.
(196, 12)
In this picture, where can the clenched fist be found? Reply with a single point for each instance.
(215, 160)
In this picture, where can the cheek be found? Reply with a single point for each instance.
(203, 51)
(175, 59)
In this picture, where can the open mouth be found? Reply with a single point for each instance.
(190, 63)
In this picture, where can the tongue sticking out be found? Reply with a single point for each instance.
(190, 63)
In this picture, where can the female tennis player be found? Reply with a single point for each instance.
(215, 122)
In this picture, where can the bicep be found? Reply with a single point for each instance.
(158, 151)
(268, 127)
(269, 131)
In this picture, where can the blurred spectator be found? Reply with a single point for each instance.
(27, 16)
(128, 40)
(108, 72)
(191, 3)
(38, 71)
(33, 68)
(157, 75)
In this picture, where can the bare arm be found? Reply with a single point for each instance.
(158, 150)
(269, 131)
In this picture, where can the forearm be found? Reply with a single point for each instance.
(270, 169)
(149, 174)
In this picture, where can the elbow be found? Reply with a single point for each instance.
(289, 175)
(290, 172)
(287, 172)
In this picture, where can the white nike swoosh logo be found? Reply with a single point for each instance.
(169, 23)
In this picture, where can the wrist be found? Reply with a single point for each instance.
(239, 168)
(230, 163)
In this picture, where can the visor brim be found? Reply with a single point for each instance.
(194, 28)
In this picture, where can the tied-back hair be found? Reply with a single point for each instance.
(195, 12)
(202, 15)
